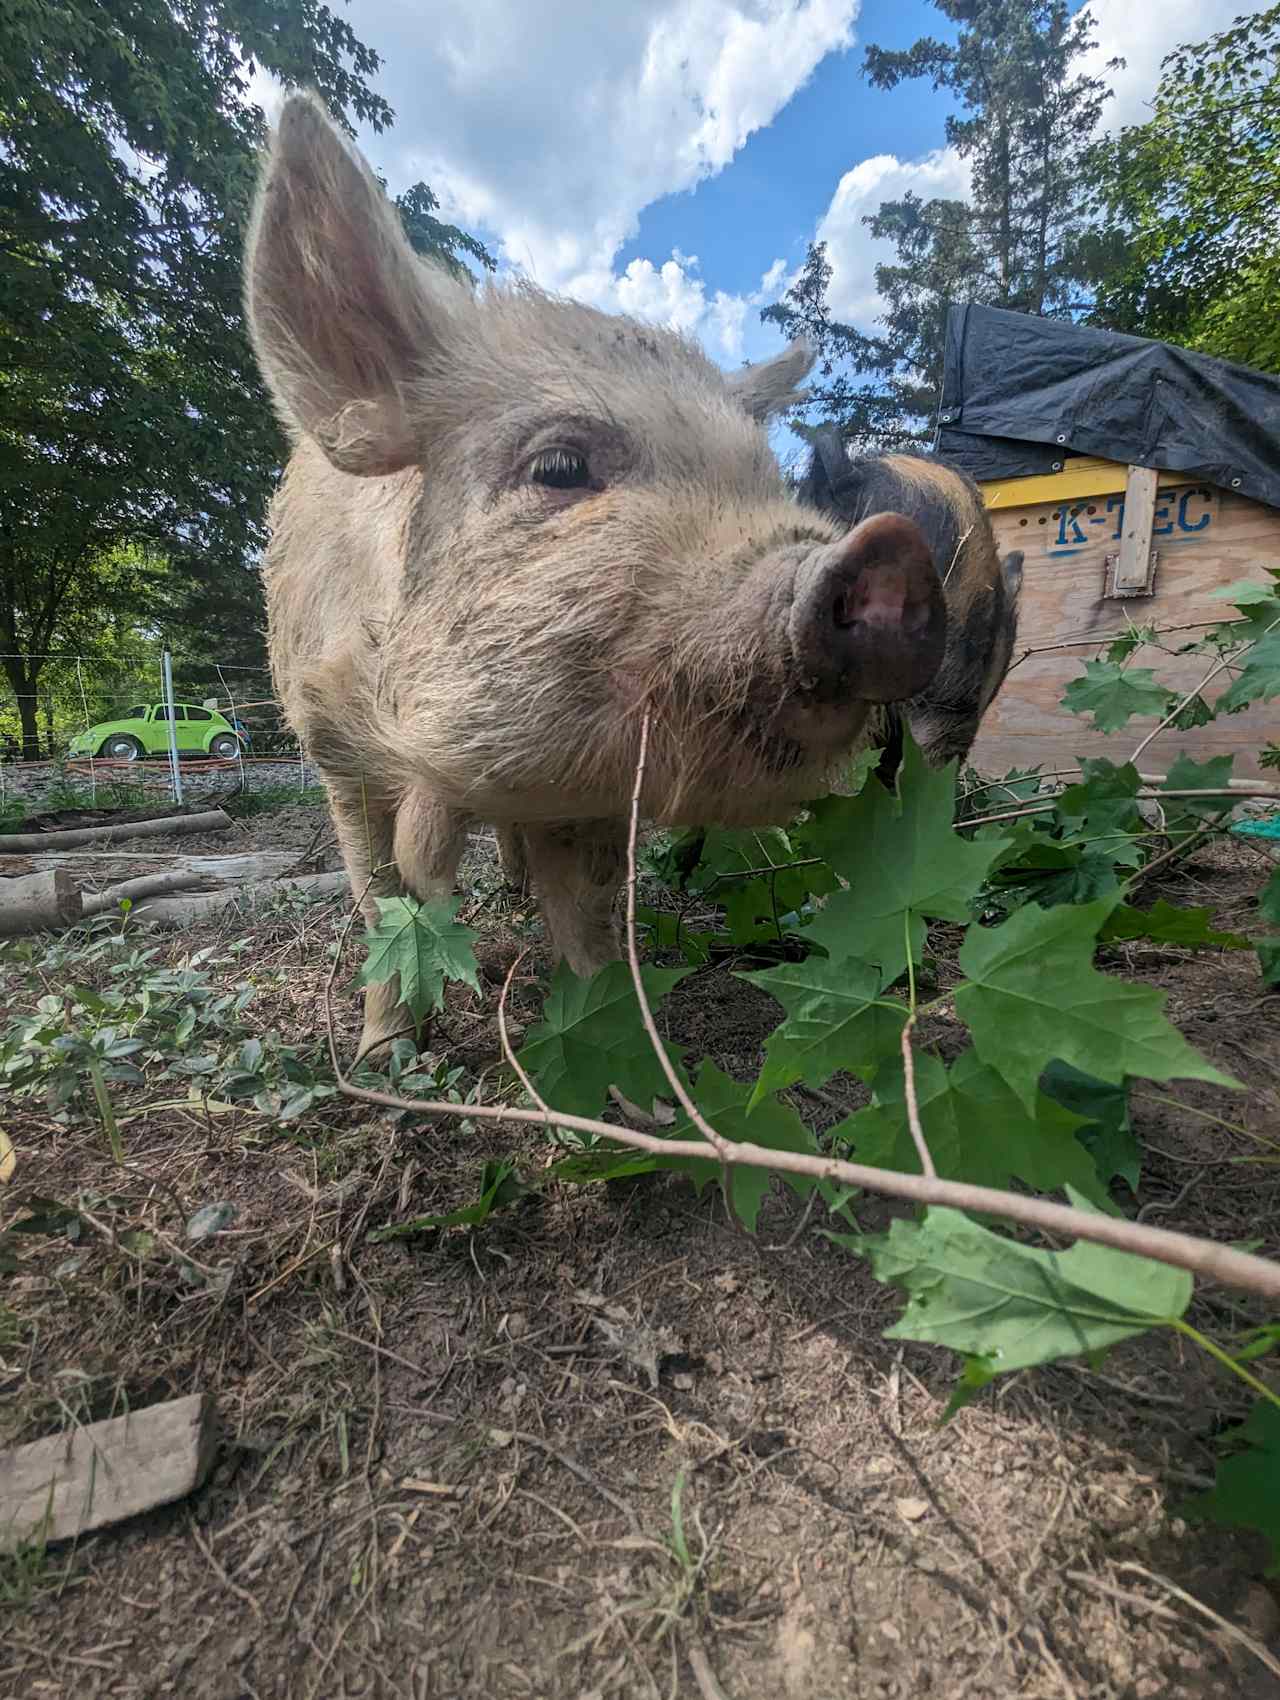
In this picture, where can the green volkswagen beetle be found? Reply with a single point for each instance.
(144, 731)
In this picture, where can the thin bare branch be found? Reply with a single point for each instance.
(507, 1051)
(633, 957)
(913, 1107)
(1219, 666)
(1184, 1251)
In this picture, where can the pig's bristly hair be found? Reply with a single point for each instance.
(432, 628)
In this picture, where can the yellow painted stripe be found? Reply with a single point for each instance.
(1080, 476)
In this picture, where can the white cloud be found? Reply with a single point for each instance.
(554, 126)
(851, 250)
(551, 128)
(1142, 35)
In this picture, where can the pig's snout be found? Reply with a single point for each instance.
(869, 620)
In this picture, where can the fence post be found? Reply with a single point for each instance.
(166, 672)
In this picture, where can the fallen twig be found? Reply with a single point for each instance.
(637, 980)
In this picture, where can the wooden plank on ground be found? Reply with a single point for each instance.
(67, 1484)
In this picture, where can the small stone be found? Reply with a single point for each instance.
(517, 1325)
(912, 1510)
(683, 1381)
(890, 1630)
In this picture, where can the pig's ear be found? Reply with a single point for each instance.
(1011, 572)
(340, 309)
(772, 386)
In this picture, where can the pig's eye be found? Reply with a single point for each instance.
(560, 469)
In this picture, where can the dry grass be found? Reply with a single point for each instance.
(449, 1462)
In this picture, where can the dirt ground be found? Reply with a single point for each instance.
(448, 1462)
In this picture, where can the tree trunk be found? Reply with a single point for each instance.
(22, 681)
(38, 902)
(30, 726)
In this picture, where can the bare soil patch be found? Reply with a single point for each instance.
(449, 1462)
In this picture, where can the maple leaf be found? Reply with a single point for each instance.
(1188, 775)
(1103, 806)
(1258, 679)
(591, 1037)
(1032, 992)
(1165, 923)
(1246, 1493)
(975, 1128)
(725, 1104)
(1104, 1111)
(904, 861)
(1008, 1306)
(425, 946)
(835, 1020)
(759, 906)
(1113, 694)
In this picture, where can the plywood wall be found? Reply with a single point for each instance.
(1207, 538)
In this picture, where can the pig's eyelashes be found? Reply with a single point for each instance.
(560, 469)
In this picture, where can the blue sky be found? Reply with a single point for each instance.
(767, 203)
(674, 158)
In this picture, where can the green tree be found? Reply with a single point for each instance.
(1186, 245)
(131, 413)
(1024, 120)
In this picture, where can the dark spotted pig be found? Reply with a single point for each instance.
(982, 591)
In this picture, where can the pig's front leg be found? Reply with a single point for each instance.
(390, 850)
(576, 867)
(515, 869)
(365, 827)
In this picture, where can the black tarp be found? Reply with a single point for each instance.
(1019, 394)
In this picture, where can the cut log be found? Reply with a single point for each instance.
(68, 1484)
(38, 901)
(211, 820)
(181, 911)
(146, 885)
(257, 864)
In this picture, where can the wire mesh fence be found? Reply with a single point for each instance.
(98, 731)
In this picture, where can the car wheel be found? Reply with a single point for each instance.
(121, 747)
(224, 746)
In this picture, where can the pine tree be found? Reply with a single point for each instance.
(1025, 121)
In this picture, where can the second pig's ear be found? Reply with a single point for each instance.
(773, 385)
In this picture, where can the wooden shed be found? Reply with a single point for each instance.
(1137, 479)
